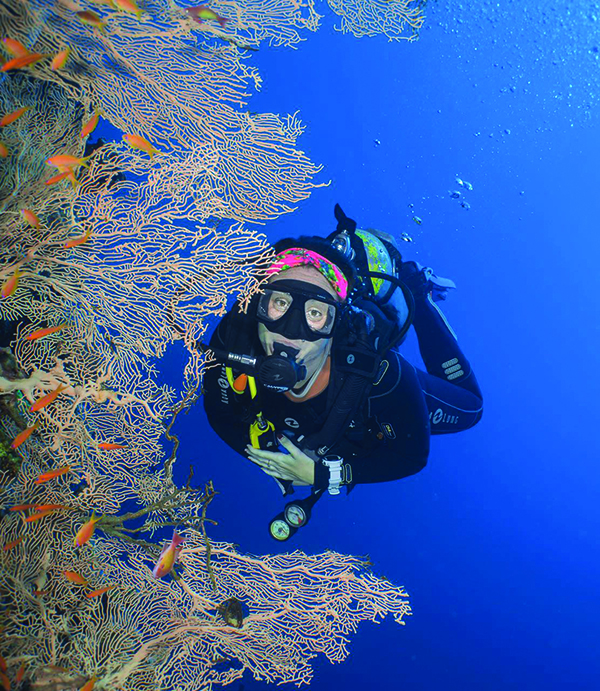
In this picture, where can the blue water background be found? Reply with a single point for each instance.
(496, 541)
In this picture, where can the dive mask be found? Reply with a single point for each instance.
(298, 310)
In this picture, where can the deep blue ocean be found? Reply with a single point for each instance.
(496, 540)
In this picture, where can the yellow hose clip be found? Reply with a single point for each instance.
(259, 427)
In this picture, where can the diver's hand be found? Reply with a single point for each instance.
(295, 465)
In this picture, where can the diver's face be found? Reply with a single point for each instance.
(312, 353)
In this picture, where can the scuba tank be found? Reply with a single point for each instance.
(377, 259)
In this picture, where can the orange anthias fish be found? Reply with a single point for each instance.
(23, 436)
(22, 61)
(31, 218)
(20, 673)
(3, 150)
(40, 333)
(92, 19)
(14, 47)
(128, 6)
(204, 12)
(89, 685)
(137, 142)
(66, 161)
(47, 399)
(51, 474)
(13, 543)
(60, 176)
(74, 577)
(78, 241)
(5, 681)
(86, 531)
(39, 515)
(168, 557)
(110, 446)
(9, 118)
(3, 665)
(10, 285)
(91, 124)
(23, 507)
(60, 59)
(100, 591)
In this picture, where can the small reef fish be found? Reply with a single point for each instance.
(20, 673)
(51, 474)
(86, 531)
(53, 507)
(22, 61)
(78, 241)
(23, 507)
(137, 142)
(31, 218)
(39, 515)
(100, 591)
(13, 543)
(231, 610)
(417, 220)
(66, 161)
(3, 665)
(111, 446)
(168, 557)
(5, 681)
(89, 685)
(9, 118)
(47, 399)
(3, 150)
(10, 285)
(57, 178)
(40, 333)
(91, 19)
(128, 6)
(91, 124)
(204, 12)
(23, 436)
(14, 47)
(59, 60)
(74, 577)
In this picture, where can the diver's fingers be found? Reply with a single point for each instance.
(274, 469)
(279, 474)
(267, 455)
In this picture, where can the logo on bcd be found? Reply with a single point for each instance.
(440, 416)
(290, 422)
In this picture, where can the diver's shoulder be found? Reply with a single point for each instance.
(388, 374)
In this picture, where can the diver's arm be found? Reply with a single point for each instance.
(398, 406)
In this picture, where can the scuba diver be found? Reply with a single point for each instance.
(310, 385)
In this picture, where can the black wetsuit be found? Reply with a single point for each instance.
(389, 437)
